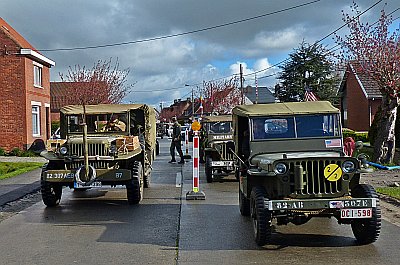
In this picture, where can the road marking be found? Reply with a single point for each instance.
(178, 179)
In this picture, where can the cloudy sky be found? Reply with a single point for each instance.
(210, 38)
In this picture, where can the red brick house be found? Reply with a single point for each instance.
(360, 99)
(177, 109)
(59, 97)
(25, 91)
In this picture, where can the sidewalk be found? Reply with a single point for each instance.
(12, 189)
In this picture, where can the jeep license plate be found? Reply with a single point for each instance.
(222, 163)
(96, 184)
(356, 213)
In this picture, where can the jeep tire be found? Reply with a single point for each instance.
(51, 193)
(366, 230)
(134, 186)
(261, 216)
(208, 169)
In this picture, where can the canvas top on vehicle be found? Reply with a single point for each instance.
(147, 112)
(217, 118)
(286, 108)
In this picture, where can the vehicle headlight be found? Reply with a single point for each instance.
(113, 149)
(280, 168)
(63, 150)
(348, 167)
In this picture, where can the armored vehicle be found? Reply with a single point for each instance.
(217, 143)
(120, 142)
(292, 167)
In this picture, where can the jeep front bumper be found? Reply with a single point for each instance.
(321, 204)
(114, 175)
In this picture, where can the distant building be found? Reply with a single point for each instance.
(360, 98)
(259, 95)
(25, 92)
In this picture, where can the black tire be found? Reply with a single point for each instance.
(208, 169)
(51, 193)
(244, 204)
(367, 230)
(261, 216)
(157, 148)
(134, 187)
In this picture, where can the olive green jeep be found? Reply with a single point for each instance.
(292, 167)
(218, 146)
(120, 142)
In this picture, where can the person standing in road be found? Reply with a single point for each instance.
(176, 142)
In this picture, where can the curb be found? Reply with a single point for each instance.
(18, 193)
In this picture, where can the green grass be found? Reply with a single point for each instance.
(9, 169)
(391, 191)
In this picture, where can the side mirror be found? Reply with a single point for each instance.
(359, 145)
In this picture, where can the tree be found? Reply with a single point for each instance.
(308, 67)
(377, 52)
(104, 83)
(221, 96)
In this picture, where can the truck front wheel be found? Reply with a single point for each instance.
(366, 230)
(208, 169)
(134, 186)
(261, 216)
(51, 193)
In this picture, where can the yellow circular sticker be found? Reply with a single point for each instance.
(333, 172)
(196, 126)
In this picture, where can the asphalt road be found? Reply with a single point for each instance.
(98, 227)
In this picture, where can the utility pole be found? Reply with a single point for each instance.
(241, 83)
(192, 103)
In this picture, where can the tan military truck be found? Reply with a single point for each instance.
(120, 140)
(292, 168)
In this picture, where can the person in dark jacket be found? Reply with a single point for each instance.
(176, 142)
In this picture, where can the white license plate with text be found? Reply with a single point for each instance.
(96, 184)
(356, 213)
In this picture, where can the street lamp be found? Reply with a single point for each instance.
(192, 103)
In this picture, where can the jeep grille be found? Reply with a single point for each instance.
(224, 150)
(315, 184)
(93, 150)
(96, 164)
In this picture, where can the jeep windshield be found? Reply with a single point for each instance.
(301, 126)
(98, 123)
(218, 127)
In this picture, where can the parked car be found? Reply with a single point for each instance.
(217, 145)
(121, 146)
(291, 165)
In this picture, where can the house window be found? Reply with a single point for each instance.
(36, 120)
(37, 75)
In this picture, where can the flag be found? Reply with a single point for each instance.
(310, 96)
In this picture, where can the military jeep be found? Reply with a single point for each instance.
(120, 142)
(218, 146)
(291, 165)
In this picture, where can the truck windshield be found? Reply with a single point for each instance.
(302, 126)
(98, 123)
(218, 127)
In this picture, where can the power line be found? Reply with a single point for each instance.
(320, 40)
(183, 33)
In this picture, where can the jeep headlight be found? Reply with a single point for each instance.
(280, 168)
(113, 149)
(63, 150)
(348, 167)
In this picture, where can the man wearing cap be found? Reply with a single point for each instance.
(176, 142)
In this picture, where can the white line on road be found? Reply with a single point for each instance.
(178, 179)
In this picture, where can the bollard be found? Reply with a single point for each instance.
(186, 155)
(195, 193)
